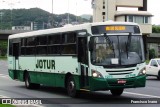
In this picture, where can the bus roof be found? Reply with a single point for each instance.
(67, 29)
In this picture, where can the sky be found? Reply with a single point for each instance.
(77, 7)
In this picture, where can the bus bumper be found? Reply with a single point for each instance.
(107, 84)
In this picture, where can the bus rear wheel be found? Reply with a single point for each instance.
(28, 83)
(71, 87)
(116, 92)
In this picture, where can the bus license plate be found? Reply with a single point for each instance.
(121, 81)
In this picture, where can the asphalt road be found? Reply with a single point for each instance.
(59, 98)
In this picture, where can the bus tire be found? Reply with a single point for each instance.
(116, 92)
(158, 77)
(28, 83)
(71, 87)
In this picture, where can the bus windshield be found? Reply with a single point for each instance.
(117, 50)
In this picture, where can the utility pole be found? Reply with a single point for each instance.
(68, 12)
(11, 4)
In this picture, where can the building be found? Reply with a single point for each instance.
(21, 28)
(105, 10)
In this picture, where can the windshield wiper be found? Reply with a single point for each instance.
(127, 44)
(110, 43)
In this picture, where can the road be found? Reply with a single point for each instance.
(58, 96)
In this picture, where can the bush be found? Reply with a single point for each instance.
(3, 48)
(152, 53)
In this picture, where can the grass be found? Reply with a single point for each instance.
(147, 61)
(6, 105)
(3, 58)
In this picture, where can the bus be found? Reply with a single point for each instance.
(86, 57)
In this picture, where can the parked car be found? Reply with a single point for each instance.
(153, 68)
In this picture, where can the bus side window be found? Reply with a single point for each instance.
(54, 44)
(41, 46)
(82, 50)
(23, 46)
(71, 38)
(10, 47)
(69, 43)
(30, 46)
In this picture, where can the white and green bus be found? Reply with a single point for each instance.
(87, 57)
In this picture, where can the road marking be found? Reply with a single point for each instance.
(4, 76)
(146, 95)
(2, 96)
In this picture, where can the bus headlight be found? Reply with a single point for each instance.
(142, 71)
(96, 74)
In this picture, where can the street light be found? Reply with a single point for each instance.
(11, 4)
(68, 12)
(52, 6)
(52, 14)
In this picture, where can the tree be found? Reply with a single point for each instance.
(3, 48)
(155, 29)
(152, 53)
(24, 17)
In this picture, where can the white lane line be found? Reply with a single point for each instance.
(146, 95)
(2, 96)
(4, 76)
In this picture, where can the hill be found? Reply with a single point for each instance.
(86, 16)
(24, 17)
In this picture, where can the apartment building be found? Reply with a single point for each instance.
(104, 10)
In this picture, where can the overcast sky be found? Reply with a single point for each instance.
(77, 7)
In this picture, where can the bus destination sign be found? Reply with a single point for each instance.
(115, 29)
(108, 28)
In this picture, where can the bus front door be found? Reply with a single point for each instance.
(83, 62)
(15, 59)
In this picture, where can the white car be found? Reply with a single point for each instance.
(153, 68)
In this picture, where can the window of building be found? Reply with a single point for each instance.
(103, 18)
(146, 19)
(139, 19)
(130, 18)
(103, 2)
(103, 13)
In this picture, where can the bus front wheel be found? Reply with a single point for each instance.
(116, 92)
(28, 83)
(71, 87)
